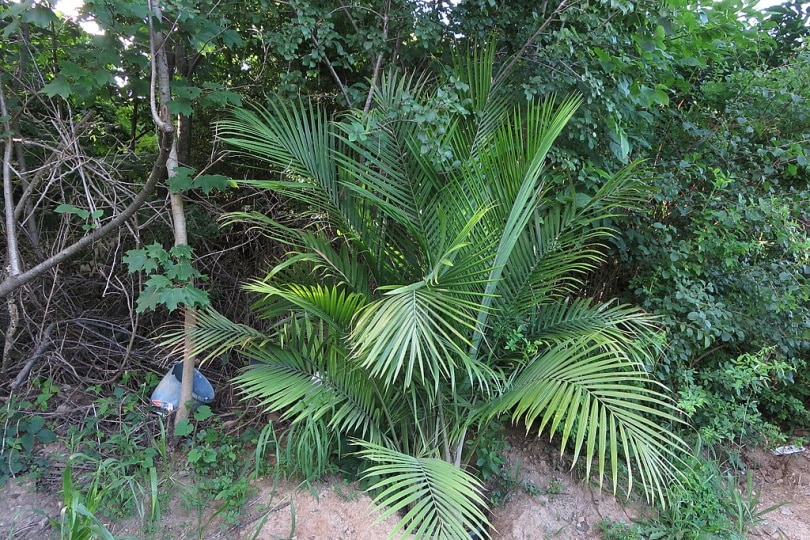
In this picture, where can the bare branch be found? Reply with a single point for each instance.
(156, 52)
(12, 282)
(375, 77)
(8, 196)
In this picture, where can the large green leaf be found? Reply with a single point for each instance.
(417, 334)
(439, 500)
(604, 405)
(544, 122)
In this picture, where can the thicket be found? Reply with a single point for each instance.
(710, 98)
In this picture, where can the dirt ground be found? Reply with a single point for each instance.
(555, 506)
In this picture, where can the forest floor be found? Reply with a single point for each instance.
(545, 501)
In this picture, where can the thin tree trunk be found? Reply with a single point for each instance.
(12, 253)
(161, 77)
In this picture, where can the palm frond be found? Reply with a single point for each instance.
(545, 122)
(416, 332)
(440, 500)
(264, 224)
(620, 327)
(216, 334)
(294, 137)
(564, 241)
(599, 401)
(299, 141)
(331, 304)
(286, 381)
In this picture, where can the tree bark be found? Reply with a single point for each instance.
(161, 80)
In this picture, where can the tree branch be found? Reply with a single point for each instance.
(13, 253)
(505, 71)
(375, 77)
(12, 283)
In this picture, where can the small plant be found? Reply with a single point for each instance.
(555, 487)
(617, 530)
(21, 431)
(123, 431)
(489, 449)
(708, 504)
(78, 520)
(220, 466)
(744, 505)
(531, 488)
(345, 491)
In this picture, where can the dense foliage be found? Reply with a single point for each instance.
(403, 204)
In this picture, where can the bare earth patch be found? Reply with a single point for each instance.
(782, 480)
(551, 503)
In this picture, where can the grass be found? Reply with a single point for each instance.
(122, 466)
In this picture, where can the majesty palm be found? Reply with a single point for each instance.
(431, 285)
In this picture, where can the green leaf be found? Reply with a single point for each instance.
(59, 86)
(183, 428)
(137, 260)
(219, 98)
(231, 38)
(182, 272)
(40, 15)
(178, 105)
(35, 423)
(153, 292)
(210, 182)
(46, 436)
(11, 27)
(181, 180)
(182, 252)
(439, 499)
(70, 209)
(186, 92)
(203, 413)
(27, 441)
(173, 297)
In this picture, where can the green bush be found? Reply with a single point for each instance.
(722, 253)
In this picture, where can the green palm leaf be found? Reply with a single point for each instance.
(285, 381)
(590, 395)
(619, 327)
(440, 501)
(416, 333)
(295, 137)
(549, 121)
(331, 304)
(216, 334)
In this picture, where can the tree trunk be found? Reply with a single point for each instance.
(161, 75)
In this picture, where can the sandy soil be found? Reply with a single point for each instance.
(556, 506)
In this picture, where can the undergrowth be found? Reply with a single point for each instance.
(121, 465)
(117, 461)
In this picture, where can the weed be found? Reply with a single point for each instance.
(21, 430)
(78, 520)
(489, 450)
(744, 505)
(555, 487)
(345, 491)
(617, 530)
(123, 430)
(707, 504)
(531, 488)
(221, 470)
